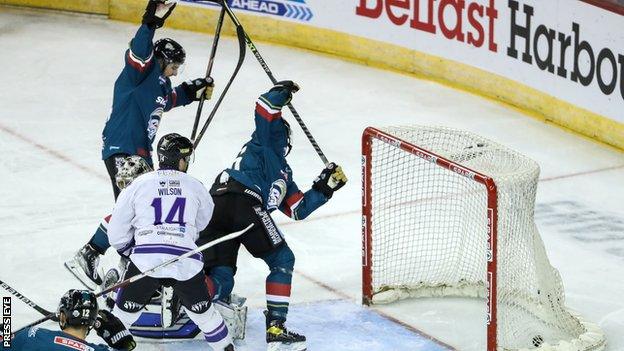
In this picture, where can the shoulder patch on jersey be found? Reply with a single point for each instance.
(72, 344)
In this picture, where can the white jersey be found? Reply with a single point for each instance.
(159, 216)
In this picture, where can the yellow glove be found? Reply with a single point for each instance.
(331, 179)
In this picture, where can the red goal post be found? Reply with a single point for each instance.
(367, 292)
(429, 190)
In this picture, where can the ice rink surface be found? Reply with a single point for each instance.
(58, 72)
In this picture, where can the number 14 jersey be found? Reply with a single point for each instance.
(159, 216)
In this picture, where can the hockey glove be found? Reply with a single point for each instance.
(195, 88)
(331, 179)
(286, 87)
(112, 330)
(157, 12)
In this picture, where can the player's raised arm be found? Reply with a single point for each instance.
(269, 109)
(140, 55)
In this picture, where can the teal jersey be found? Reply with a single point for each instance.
(140, 97)
(261, 165)
(38, 339)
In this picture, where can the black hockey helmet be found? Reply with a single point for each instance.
(79, 307)
(172, 148)
(169, 51)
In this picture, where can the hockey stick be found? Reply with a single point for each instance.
(240, 33)
(144, 274)
(266, 68)
(26, 300)
(213, 52)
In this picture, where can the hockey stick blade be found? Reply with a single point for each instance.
(144, 274)
(267, 70)
(213, 52)
(241, 58)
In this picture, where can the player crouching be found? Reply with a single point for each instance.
(155, 219)
(78, 313)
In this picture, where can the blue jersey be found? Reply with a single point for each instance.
(140, 97)
(261, 165)
(37, 339)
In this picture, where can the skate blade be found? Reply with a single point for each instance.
(278, 346)
(77, 272)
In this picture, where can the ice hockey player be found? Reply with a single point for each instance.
(141, 95)
(85, 263)
(78, 313)
(156, 218)
(259, 182)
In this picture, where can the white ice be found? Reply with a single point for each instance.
(57, 77)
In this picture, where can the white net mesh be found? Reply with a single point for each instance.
(429, 235)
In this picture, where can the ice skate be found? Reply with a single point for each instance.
(281, 339)
(84, 266)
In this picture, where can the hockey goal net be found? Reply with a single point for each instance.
(449, 213)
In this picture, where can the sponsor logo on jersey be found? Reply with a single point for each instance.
(72, 344)
(33, 331)
(161, 101)
(174, 183)
(292, 9)
(144, 232)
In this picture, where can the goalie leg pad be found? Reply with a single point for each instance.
(169, 307)
(235, 317)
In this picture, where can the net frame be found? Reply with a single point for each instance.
(591, 339)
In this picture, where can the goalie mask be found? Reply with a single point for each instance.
(132, 167)
(79, 307)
